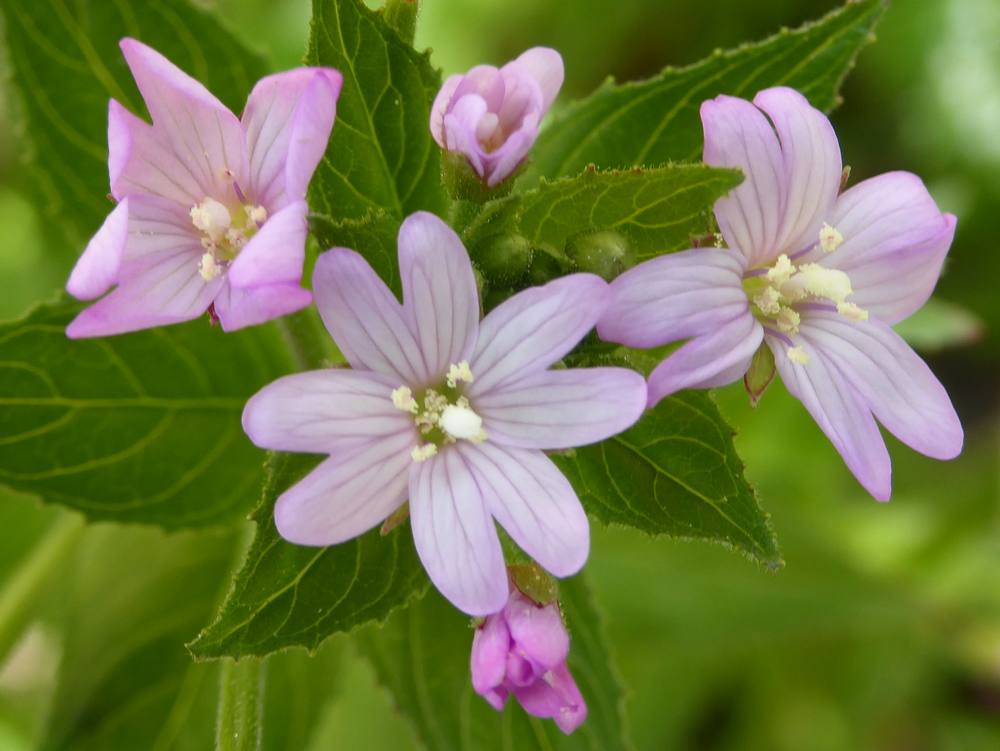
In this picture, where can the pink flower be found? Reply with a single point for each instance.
(211, 208)
(449, 411)
(492, 116)
(522, 650)
(819, 277)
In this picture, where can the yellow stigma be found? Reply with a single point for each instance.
(424, 452)
(813, 280)
(402, 399)
(208, 268)
(788, 321)
(781, 271)
(459, 373)
(852, 312)
(830, 238)
(798, 355)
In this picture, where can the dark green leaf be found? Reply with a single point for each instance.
(648, 211)
(656, 121)
(374, 237)
(422, 656)
(290, 595)
(381, 154)
(140, 428)
(66, 64)
(676, 473)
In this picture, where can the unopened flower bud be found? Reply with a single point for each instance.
(606, 253)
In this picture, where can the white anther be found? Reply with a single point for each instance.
(459, 373)
(424, 452)
(256, 215)
(817, 281)
(235, 238)
(788, 321)
(211, 217)
(852, 312)
(402, 399)
(781, 271)
(461, 422)
(769, 301)
(830, 238)
(209, 268)
(798, 355)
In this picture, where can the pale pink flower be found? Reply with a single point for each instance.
(819, 277)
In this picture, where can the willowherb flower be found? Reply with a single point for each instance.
(211, 208)
(448, 411)
(492, 116)
(819, 277)
(522, 650)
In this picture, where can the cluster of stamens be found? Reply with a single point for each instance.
(778, 293)
(224, 233)
(441, 418)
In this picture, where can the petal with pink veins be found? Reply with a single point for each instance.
(275, 254)
(98, 268)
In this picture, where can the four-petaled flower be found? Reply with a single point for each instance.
(492, 116)
(819, 277)
(211, 208)
(522, 650)
(449, 411)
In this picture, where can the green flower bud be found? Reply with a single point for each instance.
(503, 259)
(607, 253)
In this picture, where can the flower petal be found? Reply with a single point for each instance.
(675, 296)
(482, 81)
(791, 165)
(238, 308)
(812, 165)
(537, 630)
(542, 64)
(500, 164)
(365, 319)
(97, 269)
(455, 536)
(205, 135)
(489, 654)
(275, 254)
(893, 381)
(440, 298)
(840, 412)
(558, 698)
(895, 241)
(324, 411)
(530, 498)
(535, 328)
(710, 360)
(460, 125)
(559, 409)
(288, 119)
(347, 494)
(441, 106)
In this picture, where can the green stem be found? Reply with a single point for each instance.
(241, 694)
(19, 597)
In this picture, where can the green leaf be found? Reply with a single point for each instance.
(65, 64)
(656, 121)
(143, 427)
(650, 211)
(674, 473)
(421, 655)
(289, 595)
(381, 154)
(373, 236)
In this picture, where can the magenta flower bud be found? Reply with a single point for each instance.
(522, 650)
(492, 116)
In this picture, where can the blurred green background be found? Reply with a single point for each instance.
(883, 630)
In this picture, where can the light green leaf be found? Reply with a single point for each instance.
(373, 236)
(65, 65)
(941, 324)
(289, 595)
(647, 212)
(656, 121)
(381, 154)
(675, 473)
(421, 655)
(143, 427)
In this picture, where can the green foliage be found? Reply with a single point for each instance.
(65, 63)
(675, 473)
(374, 236)
(422, 656)
(143, 427)
(381, 155)
(656, 121)
(655, 211)
(289, 595)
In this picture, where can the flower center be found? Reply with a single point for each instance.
(442, 414)
(224, 231)
(779, 293)
(489, 132)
